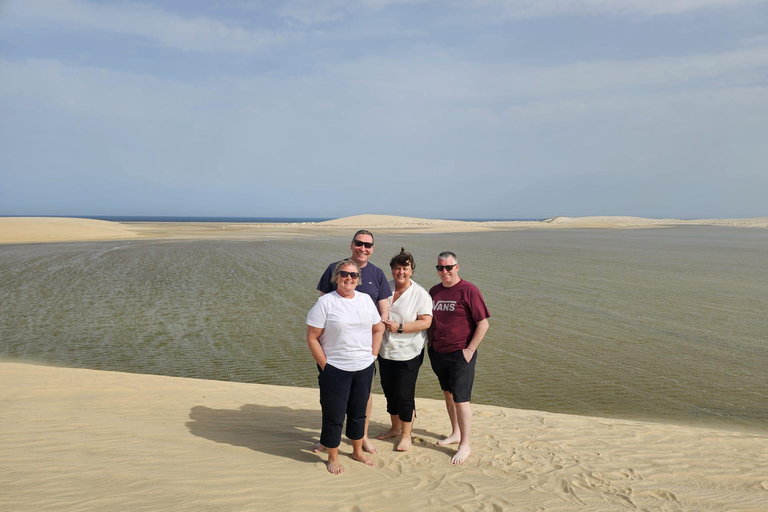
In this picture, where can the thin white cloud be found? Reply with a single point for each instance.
(424, 80)
(543, 8)
(434, 76)
(196, 33)
(325, 11)
(103, 93)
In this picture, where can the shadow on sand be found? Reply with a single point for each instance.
(280, 431)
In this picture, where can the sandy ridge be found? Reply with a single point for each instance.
(54, 229)
(89, 440)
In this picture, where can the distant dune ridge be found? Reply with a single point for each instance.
(54, 229)
(75, 439)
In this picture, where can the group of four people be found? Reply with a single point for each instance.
(360, 317)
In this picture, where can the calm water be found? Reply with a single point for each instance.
(664, 324)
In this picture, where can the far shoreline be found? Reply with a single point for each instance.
(20, 230)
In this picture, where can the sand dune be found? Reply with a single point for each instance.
(55, 229)
(44, 229)
(87, 440)
(392, 221)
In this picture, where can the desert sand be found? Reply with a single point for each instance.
(75, 439)
(55, 229)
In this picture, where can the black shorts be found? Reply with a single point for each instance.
(454, 373)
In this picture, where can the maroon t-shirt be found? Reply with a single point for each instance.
(455, 312)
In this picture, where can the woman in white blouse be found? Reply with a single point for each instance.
(402, 350)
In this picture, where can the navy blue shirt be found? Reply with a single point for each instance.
(374, 284)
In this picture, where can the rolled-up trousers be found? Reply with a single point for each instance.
(343, 393)
(398, 381)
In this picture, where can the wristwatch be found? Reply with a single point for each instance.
(400, 329)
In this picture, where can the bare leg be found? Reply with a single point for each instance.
(318, 447)
(405, 438)
(333, 464)
(358, 453)
(464, 414)
(455, 436)
(394, 430)
(368, 446)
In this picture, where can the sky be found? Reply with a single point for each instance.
(476, 109)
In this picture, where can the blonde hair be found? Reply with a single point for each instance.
(344, 263)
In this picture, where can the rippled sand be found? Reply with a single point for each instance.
(91, 441)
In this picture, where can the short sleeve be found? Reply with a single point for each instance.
(326, 284)
(477, 304)
(424, 304)
(318, 315)
(384, 291)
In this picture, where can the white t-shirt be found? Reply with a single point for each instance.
(347, 338)
(414, 302)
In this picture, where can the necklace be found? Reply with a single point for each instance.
(398, 293)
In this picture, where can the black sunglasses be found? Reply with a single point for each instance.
(360, 243)
(353, 275)
(446, 267)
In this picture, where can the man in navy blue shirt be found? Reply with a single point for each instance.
(374, 281)
(375, 285)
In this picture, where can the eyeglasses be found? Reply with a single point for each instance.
(353, 275)
(360, 243)
(447, 268)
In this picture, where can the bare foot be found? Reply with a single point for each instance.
(334, 467)
(461, 455)
(362, 457)
(368, 446)
(451, 439)
(317, 447)
(404, 444)
(392, 432)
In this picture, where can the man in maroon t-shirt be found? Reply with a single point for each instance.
(460, 321)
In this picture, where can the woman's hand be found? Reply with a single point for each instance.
(391, 326)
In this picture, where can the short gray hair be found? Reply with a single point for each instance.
(447, 254)
(344, 263)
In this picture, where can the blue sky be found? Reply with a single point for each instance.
(328, 108)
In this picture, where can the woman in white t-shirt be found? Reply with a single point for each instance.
(402, 350)
(344, 333)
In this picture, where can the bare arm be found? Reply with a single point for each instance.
(383, 307)
(313, 341)
(421, 323)
(378, 332)
(480, 330)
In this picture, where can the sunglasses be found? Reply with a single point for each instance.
(353, 275)
(360, 243)
(440, 268)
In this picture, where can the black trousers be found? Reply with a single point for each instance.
(398, 381)
(343, 393)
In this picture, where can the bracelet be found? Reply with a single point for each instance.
(400, 329)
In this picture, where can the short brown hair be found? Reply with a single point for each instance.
(403, 258)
